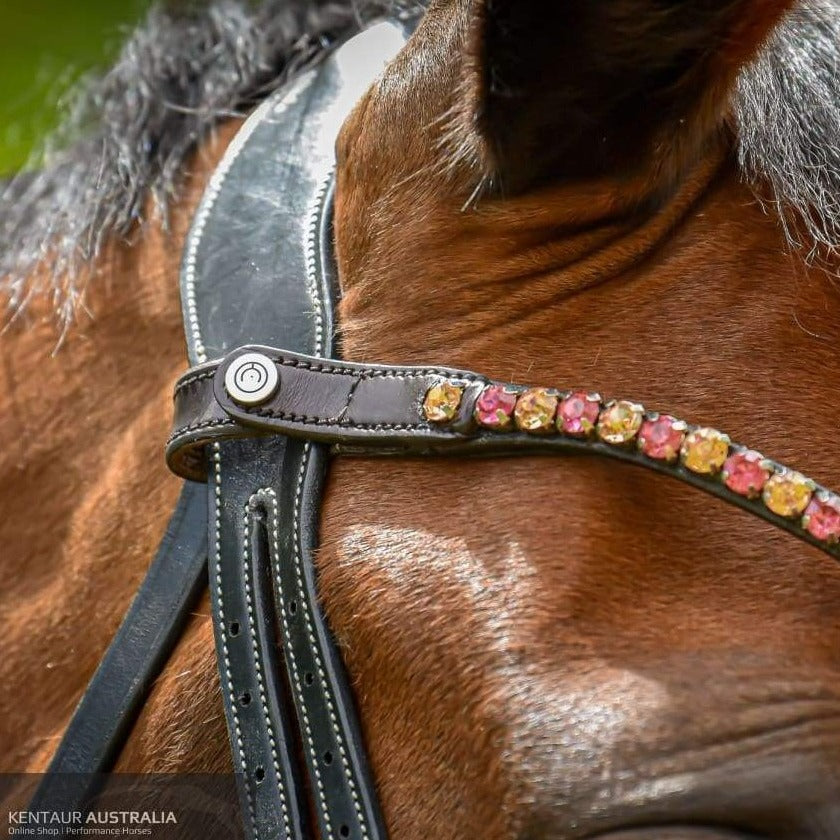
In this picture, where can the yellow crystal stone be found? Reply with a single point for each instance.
(442, 402)
(620, 422)
(535, 410)
(704, 451)
(788, 493)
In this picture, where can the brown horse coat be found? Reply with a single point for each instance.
(540, 647)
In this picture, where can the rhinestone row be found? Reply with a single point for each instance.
(661, 437)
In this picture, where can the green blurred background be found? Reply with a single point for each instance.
(44, 46)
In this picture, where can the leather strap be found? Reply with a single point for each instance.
(317, 399)
(379, 409)
(258, 267)
(263, 224)
(135, 658)
(285, 690)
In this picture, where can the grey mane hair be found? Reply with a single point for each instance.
(126, 134)
(787, 119)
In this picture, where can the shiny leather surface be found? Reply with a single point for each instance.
(254, 256)
(318, 399)
(258, 268)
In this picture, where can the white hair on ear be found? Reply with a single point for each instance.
(787, 115)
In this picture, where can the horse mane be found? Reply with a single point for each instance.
(127, 133)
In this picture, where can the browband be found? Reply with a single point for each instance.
(379, 409)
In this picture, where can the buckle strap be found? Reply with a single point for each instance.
(287, 700)
(316, 399)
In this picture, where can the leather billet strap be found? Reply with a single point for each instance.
(380, 409)
(285, 690)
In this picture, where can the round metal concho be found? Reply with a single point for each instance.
(252, 379)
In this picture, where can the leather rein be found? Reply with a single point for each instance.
(253, 433)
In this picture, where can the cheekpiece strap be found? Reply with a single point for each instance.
(258, 267)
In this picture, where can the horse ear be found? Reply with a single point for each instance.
(587, 87)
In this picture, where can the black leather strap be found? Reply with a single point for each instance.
(293, 704)
(141, 647)
(256, 697)
(258, 268)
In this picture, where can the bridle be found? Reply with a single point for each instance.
(254, 429)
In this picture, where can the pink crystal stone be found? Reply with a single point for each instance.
(822, 517)
(661, 437)
(578, 414)
(494, 408)
(746, 473)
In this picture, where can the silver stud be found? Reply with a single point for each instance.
(252, 379)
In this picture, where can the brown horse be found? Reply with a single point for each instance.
(563, 648)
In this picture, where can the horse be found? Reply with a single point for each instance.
(627, 196)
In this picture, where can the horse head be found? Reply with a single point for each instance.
(631, 197)
(566, 194)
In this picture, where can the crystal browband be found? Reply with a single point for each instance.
(363, 409)
(703, 451)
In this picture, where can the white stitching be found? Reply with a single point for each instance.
(319, 349)
(271, 502)
(189, 380)
(258, 667)
(311, 261)
(217, 473)
(197, 427)
(329, 367)
(311, 633)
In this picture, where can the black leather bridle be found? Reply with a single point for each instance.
(258, 427)
(258, 267)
